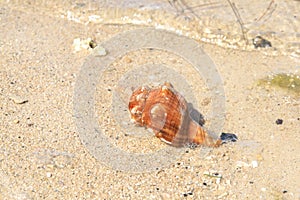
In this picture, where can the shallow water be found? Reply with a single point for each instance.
(231, 24)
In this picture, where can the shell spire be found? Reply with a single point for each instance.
(201, 136)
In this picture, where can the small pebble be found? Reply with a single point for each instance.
(228, 137)
(128, 60)
(228, 182)
(259, 157)
(241, 164)
(30, 124)
(206, 173)
(187, 194)
(99, 51)
(80, 44)
(92, 44)
(279, 121)
(18, 99)
(254, 164)
(259, 41)
(48, 174)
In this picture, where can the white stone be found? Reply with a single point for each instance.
(48, 174)
(254, 164)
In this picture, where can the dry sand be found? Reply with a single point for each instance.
(41, 153)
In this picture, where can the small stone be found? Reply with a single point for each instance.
(16, 121)
(128, 60)
(259, 41)
(254, 164)
(80, 44)
(263, 189)
(259, 157)
(30, 124)
(228, 182)
(18, 99)
(228, 137)
(279, 121)
(241, 164)
(48, 174)
(206, 173)
(99, 51)
(92, 44)
(190, 193)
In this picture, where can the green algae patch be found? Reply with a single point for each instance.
(288, 82)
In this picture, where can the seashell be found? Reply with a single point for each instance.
(165, 111)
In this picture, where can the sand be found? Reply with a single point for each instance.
(45, 155)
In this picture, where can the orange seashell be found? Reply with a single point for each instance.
(166, 112)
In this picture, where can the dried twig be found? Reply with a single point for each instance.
(182, 7)
(268, 10)
(237, 15)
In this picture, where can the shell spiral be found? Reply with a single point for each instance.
(165, 111)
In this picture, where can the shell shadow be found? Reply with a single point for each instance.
(199, 118)
(196, 115)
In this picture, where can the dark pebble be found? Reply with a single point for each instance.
(92, 44)
(228, 137)
(279, 121)
(259, 41)
(186, 194)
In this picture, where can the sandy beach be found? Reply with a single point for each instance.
(44, 154)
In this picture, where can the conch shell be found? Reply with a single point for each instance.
(166, 112)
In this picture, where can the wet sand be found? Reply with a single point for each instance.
(43, 156)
